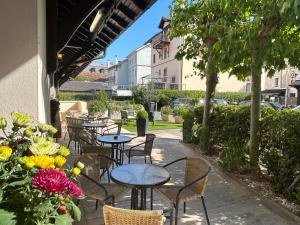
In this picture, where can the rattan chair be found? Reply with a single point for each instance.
(116, 127)
(89, 180)
(117, 216)
(146, 151)
(196, 177)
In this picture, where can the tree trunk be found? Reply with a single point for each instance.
(211, 82)
(255, 115)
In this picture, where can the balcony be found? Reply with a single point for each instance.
(160, 40)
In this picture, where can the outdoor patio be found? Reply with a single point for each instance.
(227, 201)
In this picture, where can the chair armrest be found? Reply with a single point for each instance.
(191, 183)
(109, 129)
(177, 160)
(109, 158)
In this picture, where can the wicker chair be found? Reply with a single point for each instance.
(113, 127)
(116, 216)
(89, 180)
(196, 177)
(148, 145)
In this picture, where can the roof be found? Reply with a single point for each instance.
(83, 86)
(78, 41)
(274, 91)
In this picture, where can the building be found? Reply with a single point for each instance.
(44, 43)
(139, 65)
(96, 67)
(280, 87)
(169, 73)
(116, 74)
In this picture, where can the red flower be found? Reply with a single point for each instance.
(54, 181)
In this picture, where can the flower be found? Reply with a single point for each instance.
(59, 161)
(75, 190)
(64, 151)
(3, 122)
(28, 132)
(5, 152)
(76, 171)
(44, 147)
(80, 165)
(51, 180)
(40, 161)
(21, 119)
(43, 127)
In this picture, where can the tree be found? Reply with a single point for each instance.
(203, 24)
(265, 38)
(144, 94)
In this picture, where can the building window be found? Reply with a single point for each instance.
(166, 52)
(165, 74)
(153, 58)
(159, 72)
(292, 95)
(173, 79)
(276, 82)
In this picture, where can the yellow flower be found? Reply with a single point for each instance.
(28, 132)
(5, 152)
(76, 171)
(43, 127)
(21, 119)
(59, 161)
(3, 122)
(80, 165)
(40, 161)
(44, 147)
(64, 151)
(29, 164)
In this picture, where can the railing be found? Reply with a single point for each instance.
(160, 40)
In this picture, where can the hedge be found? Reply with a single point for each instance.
(73, 96)
(279, 142)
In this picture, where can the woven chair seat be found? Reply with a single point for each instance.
(117, 216)
(168, 193)
(92, 190)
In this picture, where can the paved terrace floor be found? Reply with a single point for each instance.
(228, 202)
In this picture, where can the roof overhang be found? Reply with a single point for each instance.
(83, 31)
(275, 91)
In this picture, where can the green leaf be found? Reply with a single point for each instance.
(7, 218)
(21, 182)
(76, 211)
(63, 220)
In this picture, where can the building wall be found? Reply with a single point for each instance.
(22, 59)
(143, 63)
(122, 73)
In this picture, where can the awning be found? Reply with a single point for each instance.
(274, 91)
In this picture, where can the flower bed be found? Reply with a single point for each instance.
(35, 186)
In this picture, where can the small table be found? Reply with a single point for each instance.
(140, 177)
(115, 141)
(94, 126)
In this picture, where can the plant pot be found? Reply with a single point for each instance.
(164, 117)
(171, 118)
(141, 126)
(178, 119)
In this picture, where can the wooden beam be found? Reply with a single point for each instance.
(119, 20)
(69, 24)
(139, 4)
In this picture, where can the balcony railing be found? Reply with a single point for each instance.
(160, 40)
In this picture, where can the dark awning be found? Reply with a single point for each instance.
(275, 91)
(78, 41)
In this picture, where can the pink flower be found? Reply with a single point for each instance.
(50, 180)
(74, 190)
(55, 181)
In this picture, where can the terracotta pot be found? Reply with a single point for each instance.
(178, 119)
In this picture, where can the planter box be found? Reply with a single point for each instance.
(167, 117)
(141, 127)
(178, 119)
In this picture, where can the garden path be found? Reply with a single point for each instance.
(228, 201)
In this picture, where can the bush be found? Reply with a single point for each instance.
(100, 104)
(180, 110)
(187, 133)
(142, 115)
(166, 110)
(72, 96)
(124, 105)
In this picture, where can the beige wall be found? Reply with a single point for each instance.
(23, 58)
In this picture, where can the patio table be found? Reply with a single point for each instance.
(94, 126)
(140, 177)
(115, 141)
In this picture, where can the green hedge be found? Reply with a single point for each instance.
(73, 96)
(279, 141)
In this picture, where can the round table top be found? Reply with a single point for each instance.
(94, 125)
(140, 175)
(114, 139)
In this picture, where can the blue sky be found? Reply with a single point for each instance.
(139, 32)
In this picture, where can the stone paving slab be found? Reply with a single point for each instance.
(228, 202)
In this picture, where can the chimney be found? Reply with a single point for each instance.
(116, 59)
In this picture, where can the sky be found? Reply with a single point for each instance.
(139, 32)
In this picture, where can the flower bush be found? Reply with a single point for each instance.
(35, 187)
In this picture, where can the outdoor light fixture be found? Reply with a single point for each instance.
(59, 56)
(96, 21)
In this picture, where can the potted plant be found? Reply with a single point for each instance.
(179, 111)
(141, 122)
(166, 113)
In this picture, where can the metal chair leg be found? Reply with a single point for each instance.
(151, 198)
(176, 214)
(171, 216)
(97, 204)
(205, 210)
(184, 207)
(145, 159)
(150, 159)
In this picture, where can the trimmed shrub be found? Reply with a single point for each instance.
(72, 96)
(166, 110)
(142, 114)
(100, 104)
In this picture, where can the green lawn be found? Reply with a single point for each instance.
(158, 125)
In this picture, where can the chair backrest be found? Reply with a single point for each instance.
(124, 114)
(86, 137)
(91, 166)
(74, 132)
(72, 121)
(117, 216)
(197, 167)
(149, 143)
